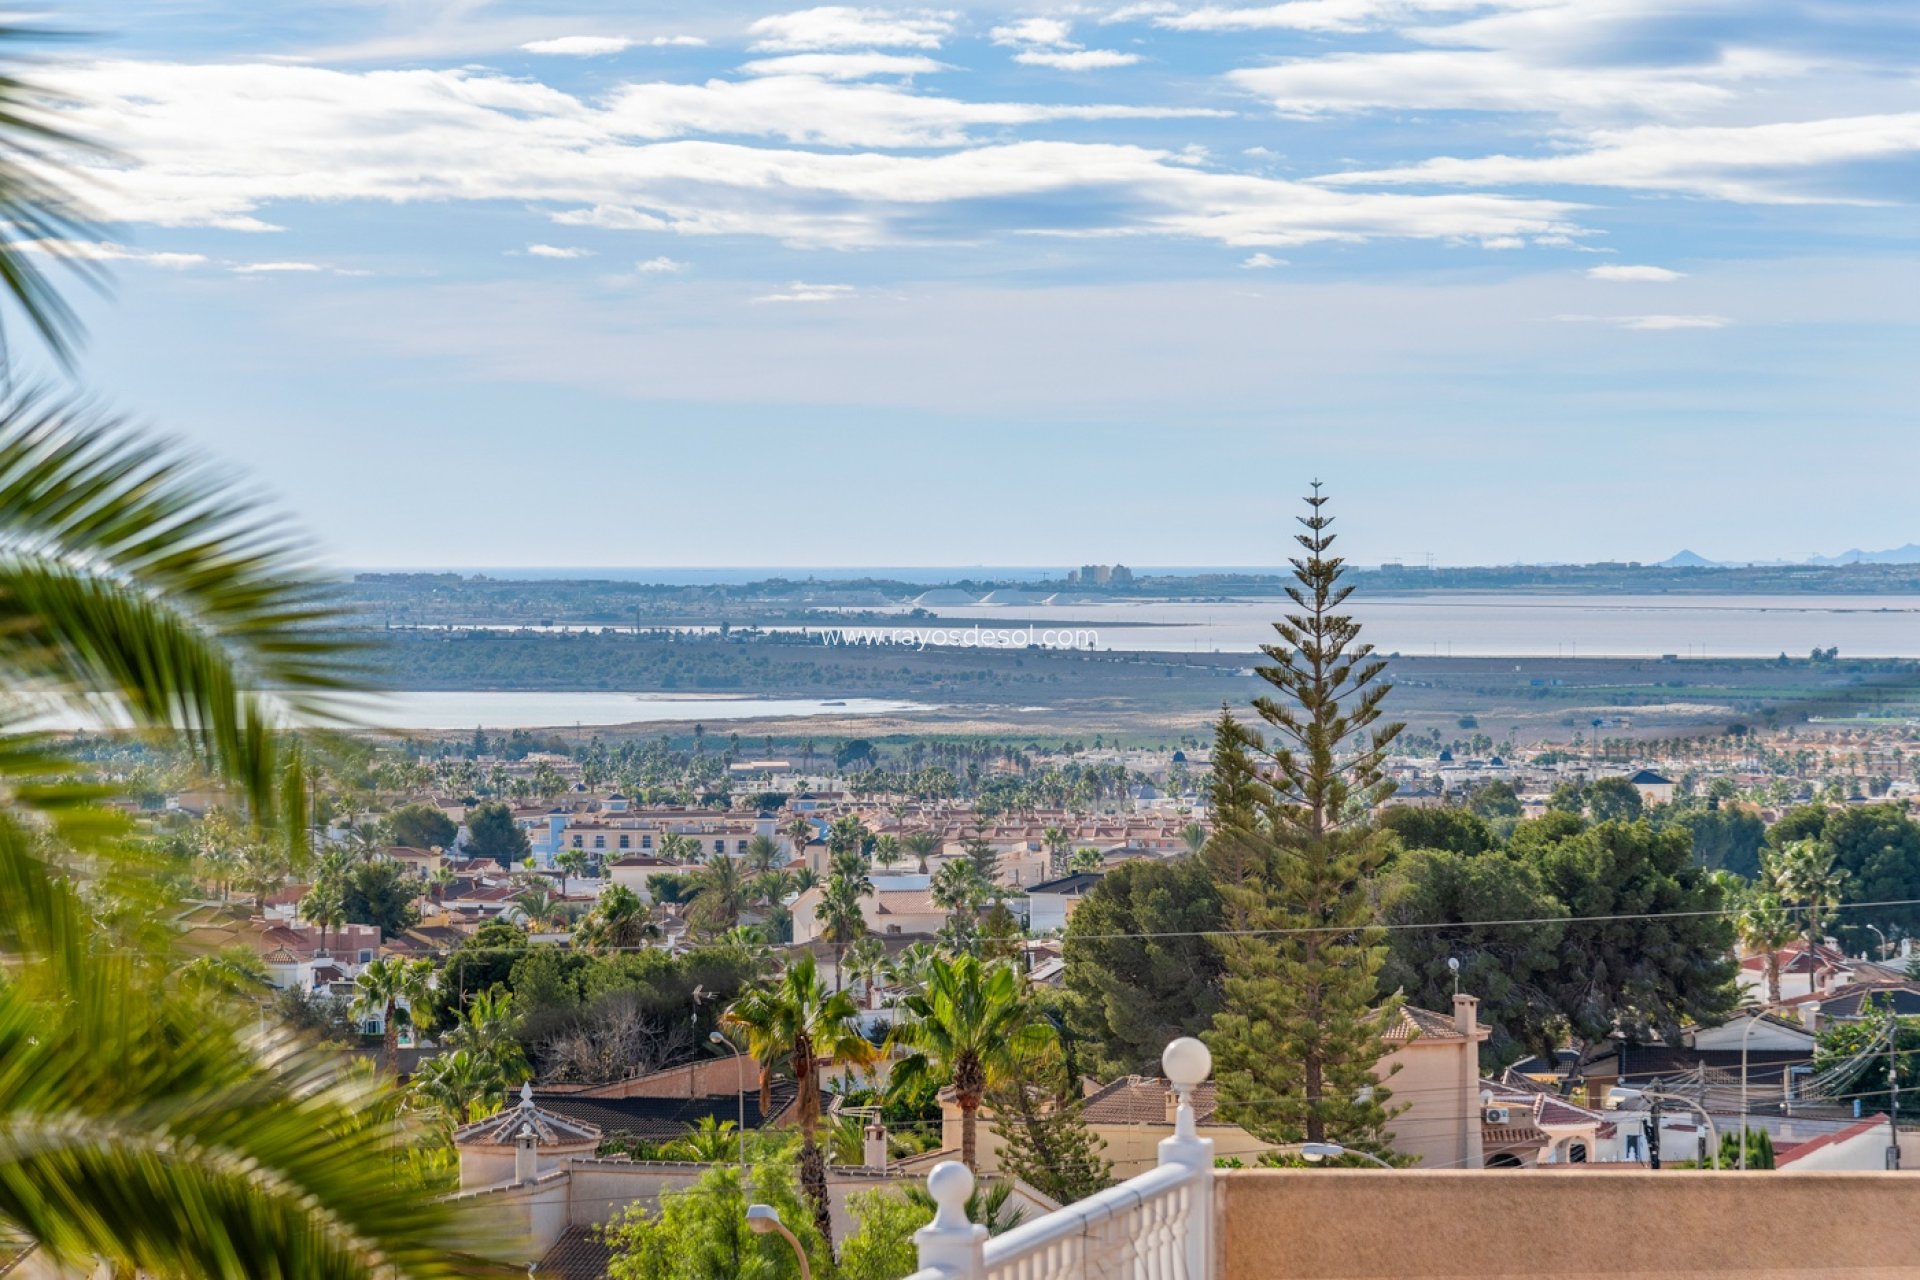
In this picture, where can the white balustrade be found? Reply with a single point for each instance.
(1157, 1226)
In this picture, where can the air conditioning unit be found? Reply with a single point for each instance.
(1495, 1115)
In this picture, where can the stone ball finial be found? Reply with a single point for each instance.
(950, 1184)
(1186, 1061)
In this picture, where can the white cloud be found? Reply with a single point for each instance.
(579, 46)
(844, 66)
(108, 251)
(1476, 80)
(1674, 322)
(1316, 15)
(842, 26)
(800, 291)
(659, 266)
(557, 251)
(267, 268)
(1076, 59)
(1047, 42)
(318, 135)
(1622, 272)
(1035, 31)
(594, 46)
(1757, 164)
(1653, 323)
(1262, 262)
(1135, 12)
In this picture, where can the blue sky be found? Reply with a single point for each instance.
(490, 284)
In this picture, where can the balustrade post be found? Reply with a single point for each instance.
(950, 1244)
(1187, 1062)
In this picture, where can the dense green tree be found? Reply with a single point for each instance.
(1541, 833)
(1613, 800)
(1877, 847)
(1646, 948)
(1420, 827)
(1567, 797)
(1141, 968)
(491, 833)
(1298, 1036)
(1045, 1142)
(381, 893)
(701, 1233)
(1854, 1055)
(1508, 967)
(1726, 837)
(419, 826)
(1492, 800)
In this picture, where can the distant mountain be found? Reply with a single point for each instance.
(1909, 554)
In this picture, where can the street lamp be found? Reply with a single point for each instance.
(1886, 948)
(1318, 1151)
(763, 1218)
(739, 1059)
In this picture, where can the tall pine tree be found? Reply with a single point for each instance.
(1295, 860)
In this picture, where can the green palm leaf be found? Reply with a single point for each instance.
(135, 588)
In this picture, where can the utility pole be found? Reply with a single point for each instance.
(1653, 1137)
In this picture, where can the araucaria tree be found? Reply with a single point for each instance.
(1295, 858)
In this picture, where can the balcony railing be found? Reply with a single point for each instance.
(1152, 1227)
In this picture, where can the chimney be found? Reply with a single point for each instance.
(1466, 1014)
(873, 1146)
(1810, 1015)
(524, 1163)
(1173, 1105)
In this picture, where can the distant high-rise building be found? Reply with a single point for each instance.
(1122, 574)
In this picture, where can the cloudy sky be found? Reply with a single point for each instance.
(474, 283)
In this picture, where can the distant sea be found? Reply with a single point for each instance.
(922, 575)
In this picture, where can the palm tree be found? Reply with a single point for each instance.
(460, 1087)
(712, 1141)
(1804, 874)
(800, 830)
(1763, 924)
(841, 920)
(1085, 860)
(794, 1026)
(848, 834)
(536, 902)
(489, 1028)
(968, 1027)
(719, 895)
(382, 988)
(886, 850)
(922, 845)
(867, 963)
(1194, 836)
(1059, 843)
(569, 862)
(325, 904)
(619, 920)
(675, 847)
(763, 855)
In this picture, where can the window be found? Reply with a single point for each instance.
(719, 846)
(599, 842)
(366, 957)
(625, 841)
(739, 846)
(1504, 1160)
(1576, 1153)
(578, 843)
(646, 842)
